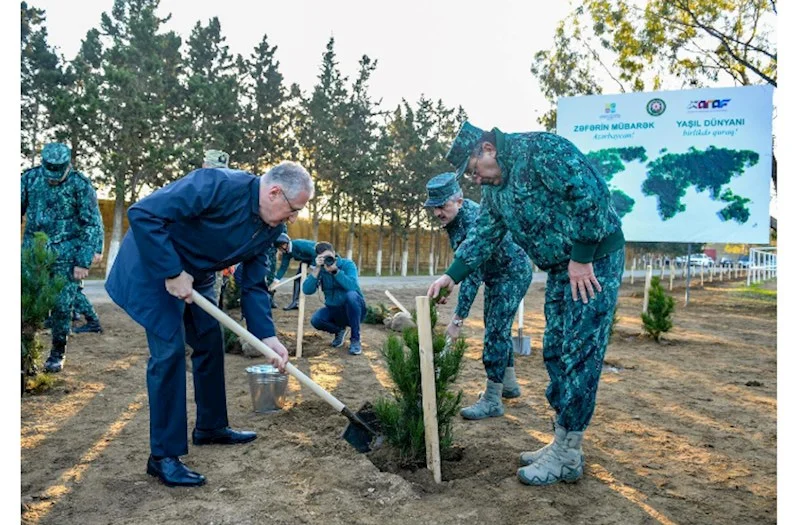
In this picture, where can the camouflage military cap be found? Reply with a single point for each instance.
(215, 158)
(461, 149)
(283, 238)
(441, 188)
(55, 159)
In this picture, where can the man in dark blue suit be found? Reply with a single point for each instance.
(179, 236)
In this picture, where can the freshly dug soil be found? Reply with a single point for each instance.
(683, 432)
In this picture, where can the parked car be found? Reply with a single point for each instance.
(744, 261)
(726, 261)
(701, 259)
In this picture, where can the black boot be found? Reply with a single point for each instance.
(295, 296)
(55, 362)
(272, 299)
(92, 325)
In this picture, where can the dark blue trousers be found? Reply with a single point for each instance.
(166, 383)
(334, 318)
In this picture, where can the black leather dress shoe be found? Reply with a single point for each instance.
(222, 436)
(173, 473)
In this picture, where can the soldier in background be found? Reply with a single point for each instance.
(61, 202)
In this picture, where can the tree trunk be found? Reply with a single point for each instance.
(335, 220)
(351, 232)
(116, 230)
(315, 219)
(379, 258)
(360, 239)
(404, 260)
(438, 250)
(391, 253)
(430, 254)
(416, 247)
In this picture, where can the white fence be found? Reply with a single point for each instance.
(763, 265)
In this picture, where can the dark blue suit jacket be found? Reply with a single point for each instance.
(202, 223)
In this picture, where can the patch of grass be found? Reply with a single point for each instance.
(758, 291)
(41, 383)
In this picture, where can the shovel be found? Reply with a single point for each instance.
(522, 344)
(360, 432)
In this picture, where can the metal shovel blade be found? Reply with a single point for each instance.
(522, 344)
(363, 430)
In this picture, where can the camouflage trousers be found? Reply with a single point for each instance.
(61, 314)
(500, 305)
(575, 340)
(82, 305)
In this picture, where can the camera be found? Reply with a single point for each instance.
(329, 260)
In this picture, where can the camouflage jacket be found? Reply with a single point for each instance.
(67, 213)
(507, 263)
(551, 200)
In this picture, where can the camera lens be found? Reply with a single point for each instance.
(329, 260)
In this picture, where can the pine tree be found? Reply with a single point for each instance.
(39, 292)
(401, 416)
(40, 74)
(658, 318)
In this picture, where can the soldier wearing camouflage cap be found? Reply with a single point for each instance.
(215, 158)
(506, 276)
(543, 191)
(61, 202)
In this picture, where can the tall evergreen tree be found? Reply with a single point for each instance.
(40, 77)
(322, 134)
(212, 92)
(143, 105)
(264, 110)
(77, 110)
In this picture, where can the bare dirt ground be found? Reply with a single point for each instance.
(684, 432)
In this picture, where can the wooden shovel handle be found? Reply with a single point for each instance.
(239, 330)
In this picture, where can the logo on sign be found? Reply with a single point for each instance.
(656, 107)
(610, 111)
(704, 105)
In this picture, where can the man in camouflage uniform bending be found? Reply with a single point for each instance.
(542, 190)
(62, 203)
(506, 275)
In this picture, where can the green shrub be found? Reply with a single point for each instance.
(231, 293)
(614, 321)
(376, 314)
(401, 416)
(40, 289)
(658, 318)
(232, 344)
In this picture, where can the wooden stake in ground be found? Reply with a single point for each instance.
(633, 269)
(647, 282)
(671, 274)
(702, 271)
(711, 274)
(428, 387)
(301, 311)
(397, 303)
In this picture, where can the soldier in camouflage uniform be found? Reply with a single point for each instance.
(62, 203)
(542, 190)
(301, 250)
(83, 306)
(506, 275)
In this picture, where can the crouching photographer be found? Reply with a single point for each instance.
(344, 308)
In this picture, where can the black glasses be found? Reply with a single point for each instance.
(294, 210)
